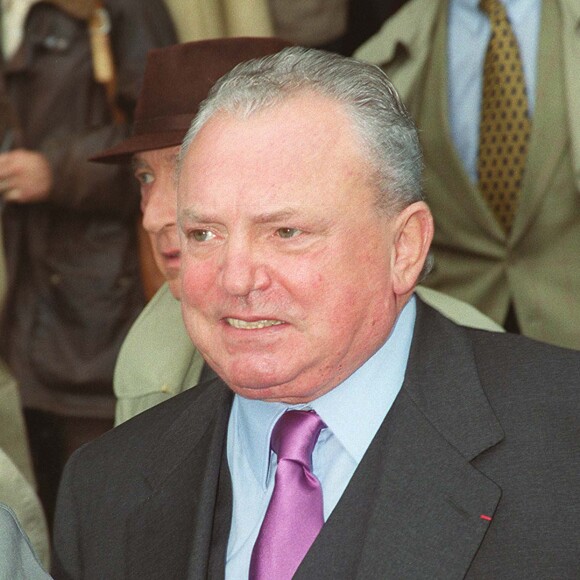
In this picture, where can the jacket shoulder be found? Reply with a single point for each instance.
(515, 362)
(402, 29)
(120, 454)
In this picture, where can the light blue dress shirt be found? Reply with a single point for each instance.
(353, 412)
(468, 35)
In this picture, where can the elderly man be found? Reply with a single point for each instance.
(157, 359)
(354, 432)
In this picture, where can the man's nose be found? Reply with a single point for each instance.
(243, 269)
(159, 210)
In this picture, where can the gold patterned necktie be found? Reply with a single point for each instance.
(505, 124)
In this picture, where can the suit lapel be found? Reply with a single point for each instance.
(415, 504)
(444, 169)
(548, 125)
(570, 18)
(183, 474)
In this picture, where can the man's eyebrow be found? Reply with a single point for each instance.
(190, 214)
(171, 156)
(138, 163)
(275, 216)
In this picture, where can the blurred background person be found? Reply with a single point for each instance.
(17, 558)
(495, 91)
(72, 70)
(17, 481)
(204, 19)
(17, 492)
(337, 25)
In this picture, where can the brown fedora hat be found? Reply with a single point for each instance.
(177, 79)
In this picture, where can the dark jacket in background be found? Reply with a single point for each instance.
(73, 274)
(365, 18)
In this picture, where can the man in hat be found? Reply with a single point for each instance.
(354, 431)
(157, 359)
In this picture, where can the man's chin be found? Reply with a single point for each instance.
(175, 287)
(255, 385)
(274, 391)
(268, 378)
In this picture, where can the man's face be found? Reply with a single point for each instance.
(154, 171)
(287, 264)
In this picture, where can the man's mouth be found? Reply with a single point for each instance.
(253, 325)
(171, 254)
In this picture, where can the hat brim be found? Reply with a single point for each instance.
(124, 151)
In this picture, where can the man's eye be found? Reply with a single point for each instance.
(287, 233)
(144, 177)
(201, 235)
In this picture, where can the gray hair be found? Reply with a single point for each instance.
(379, 117)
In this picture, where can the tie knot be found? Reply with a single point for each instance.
(493, 8)
(295, 435)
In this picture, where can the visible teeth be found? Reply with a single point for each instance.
(237, 323)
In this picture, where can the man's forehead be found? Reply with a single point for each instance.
(306, 129)
(256, 213)
(303, 110)
(297, 150)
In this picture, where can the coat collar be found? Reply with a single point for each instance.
(400, 32)
(570, 17)
(168, 362)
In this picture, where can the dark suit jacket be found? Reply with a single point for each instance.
(475, 473)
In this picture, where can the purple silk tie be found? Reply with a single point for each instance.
(294, 517)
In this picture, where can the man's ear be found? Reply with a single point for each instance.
(413, 234)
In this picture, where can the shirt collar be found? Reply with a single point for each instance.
(353, 411)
